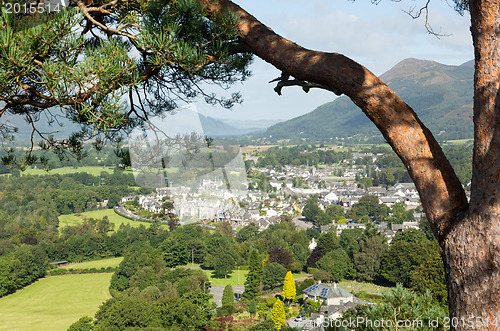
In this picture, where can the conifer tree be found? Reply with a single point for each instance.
(289, 291)
(252, 309)
(278, 315)
(227, 301)
(107, 77)
(254, 277)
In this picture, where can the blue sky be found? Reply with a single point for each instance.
(377, 36)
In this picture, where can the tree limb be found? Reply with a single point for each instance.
(440, 190)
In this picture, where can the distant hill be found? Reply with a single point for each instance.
(233, 127)
(441, 95)
(211, 127)
(217, 128)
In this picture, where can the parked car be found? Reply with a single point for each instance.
(300, 318)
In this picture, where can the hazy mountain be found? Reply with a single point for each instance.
(64, 127)
(247, 126)
(441, 95)
(215, 127)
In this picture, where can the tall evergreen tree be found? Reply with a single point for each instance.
(289, 291)
(227, 301)
(254, 276)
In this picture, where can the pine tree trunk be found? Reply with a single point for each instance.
(471, 255)
(471, 249)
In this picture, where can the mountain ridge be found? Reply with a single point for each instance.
(441, 95)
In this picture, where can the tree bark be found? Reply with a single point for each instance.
(468, 235)
(472, 249)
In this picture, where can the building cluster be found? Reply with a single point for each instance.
(286, 192)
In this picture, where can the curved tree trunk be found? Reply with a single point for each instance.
(468, 235)
(472, 248)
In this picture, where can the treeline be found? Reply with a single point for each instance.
(367, 210)
(25, 256)
(66, 194)
(105, 157)
(390, 168)
(301, 155)
(412, 259)
(29, 225)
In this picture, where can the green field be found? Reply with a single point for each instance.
(238, 277)
(98, 264)
(75, 219)
(354, 286)
(54, 303)
(95, 171)
(232, 279)
(458, 142)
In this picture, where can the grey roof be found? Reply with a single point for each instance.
(325, 291)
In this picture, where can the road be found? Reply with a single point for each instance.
(217, 291)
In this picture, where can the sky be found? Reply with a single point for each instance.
(376, 36)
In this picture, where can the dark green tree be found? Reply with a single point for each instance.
(430, 276)
(338, 264)
(328, 241)
(220, 255)
(409, 236)
(367, 261)
(368, 205)
(254, 276)
(248, 232)
(401, 259)
(227, 307)
(274, 274)
(336, 212)
(83, 324)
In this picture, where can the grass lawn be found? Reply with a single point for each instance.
(98, 264)
(457, 142)
(230, 280)
(339, 179)
(93, 170)
(74, 219)
(54, 303)
(233, 278)
(354, 286)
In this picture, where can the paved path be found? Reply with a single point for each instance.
(302, 223)
(217, 291)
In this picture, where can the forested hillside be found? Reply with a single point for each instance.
(441, 95)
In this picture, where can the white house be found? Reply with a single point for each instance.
(331, 197)
(331, 294)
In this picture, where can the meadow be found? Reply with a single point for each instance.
(97, 264)
(370, 288)
(75, 219)
(238, 277)
(54, 303)
(92, 170)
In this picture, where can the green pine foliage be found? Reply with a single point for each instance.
(254, 277)
(172, 48)
(227, 307)
(399, 304)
